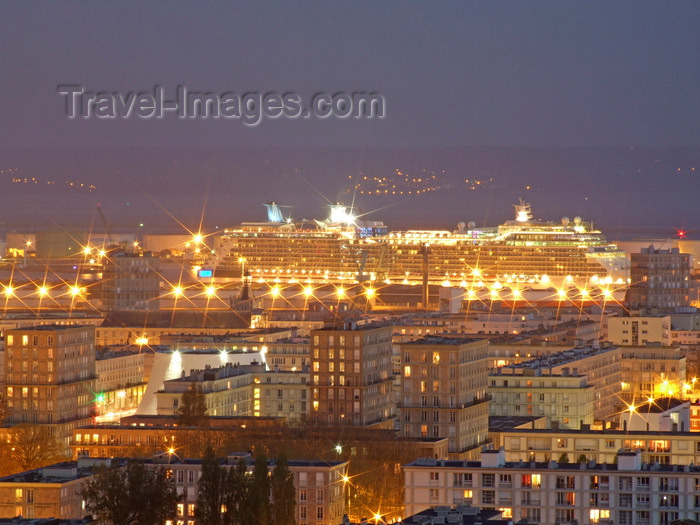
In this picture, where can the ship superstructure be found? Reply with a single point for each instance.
(344, 248)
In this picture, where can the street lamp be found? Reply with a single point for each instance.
(27, 245)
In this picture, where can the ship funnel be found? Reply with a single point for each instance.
(340, 214)
(523, 212)
(274, 213)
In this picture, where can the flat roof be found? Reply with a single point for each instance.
(443, 340)
(50, 327)
(505, 423)
(561, 358)
(591, 466)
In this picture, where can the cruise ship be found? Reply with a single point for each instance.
(343, 248)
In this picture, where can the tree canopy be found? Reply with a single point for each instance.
(210, 490)
(230, 495)
(283, 494)
(32, 446)
(134, 494)
(192, 411)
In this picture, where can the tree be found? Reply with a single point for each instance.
(131, 495)
(582, 459)
(283, 494)
(3, 407)
(564, 458)
(258, 499)
(32, 446)
(210, 490)
(193, 407)
(236, 493)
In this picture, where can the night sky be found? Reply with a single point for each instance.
(594, 105)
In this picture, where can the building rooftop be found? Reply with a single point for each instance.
(292, 340)
(552, 465)
(561, 358)
(169, 421)
(213, 374)
(121, 351)
(50, 327)
(353, 325)
(46, 521)
(505, 423)
(63, 472)
(632, 434)
(185, 319)
(459, 515)
(440, 340)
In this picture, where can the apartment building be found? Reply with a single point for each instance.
(131, 281)
(49, 492)
(650, 372)
(53, 491)
(600, 366)
(629, 493)
(566, 401)
(351, 375)
(319, 486)
(50, 377)
(443, 391)
(659, 278)
(230, 390)
(639, 330)
(542, 445)
(122, 376)
(289, 354)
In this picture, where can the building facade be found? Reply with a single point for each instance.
(444, 391)
(566, 401)
(638, 331)
(351, 375)
(130, 282)
(49, 492)
(600, 366)
(660, 278)
(543, 445)
(50, 377)
(628, 493)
